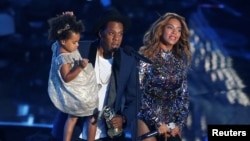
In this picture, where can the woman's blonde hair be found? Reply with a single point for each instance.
(152, 38)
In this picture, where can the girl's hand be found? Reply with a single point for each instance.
(84, 62)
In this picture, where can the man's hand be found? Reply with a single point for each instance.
(117, 121)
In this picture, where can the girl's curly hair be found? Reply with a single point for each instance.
(61, 26)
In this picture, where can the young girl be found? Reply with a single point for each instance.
(72, 85)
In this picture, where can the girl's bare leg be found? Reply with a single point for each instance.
(92, 128)
(69, 127)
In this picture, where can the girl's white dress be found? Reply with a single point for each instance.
(78, 97)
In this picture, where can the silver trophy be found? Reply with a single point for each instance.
(108, 114)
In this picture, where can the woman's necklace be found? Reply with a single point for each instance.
(166, 54)
(107, 78)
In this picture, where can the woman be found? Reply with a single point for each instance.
(165, 97)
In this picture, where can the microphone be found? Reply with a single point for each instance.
(147, 135)
(170, 126)
(130, 51)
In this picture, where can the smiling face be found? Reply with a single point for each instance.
(171, 33)
(111, 36)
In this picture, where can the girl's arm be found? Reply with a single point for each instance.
(69, 73)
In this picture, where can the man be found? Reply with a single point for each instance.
(116, 72)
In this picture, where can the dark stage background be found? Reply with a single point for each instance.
(218, 82)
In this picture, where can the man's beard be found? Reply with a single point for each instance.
(114, 49)
(110, 53)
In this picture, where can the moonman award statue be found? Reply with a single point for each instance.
(108, 114)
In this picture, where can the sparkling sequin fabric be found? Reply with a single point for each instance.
(165, 94)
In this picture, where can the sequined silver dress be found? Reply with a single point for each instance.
(78, 97)
(165, 96)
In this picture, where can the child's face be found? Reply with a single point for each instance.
(72, 43)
